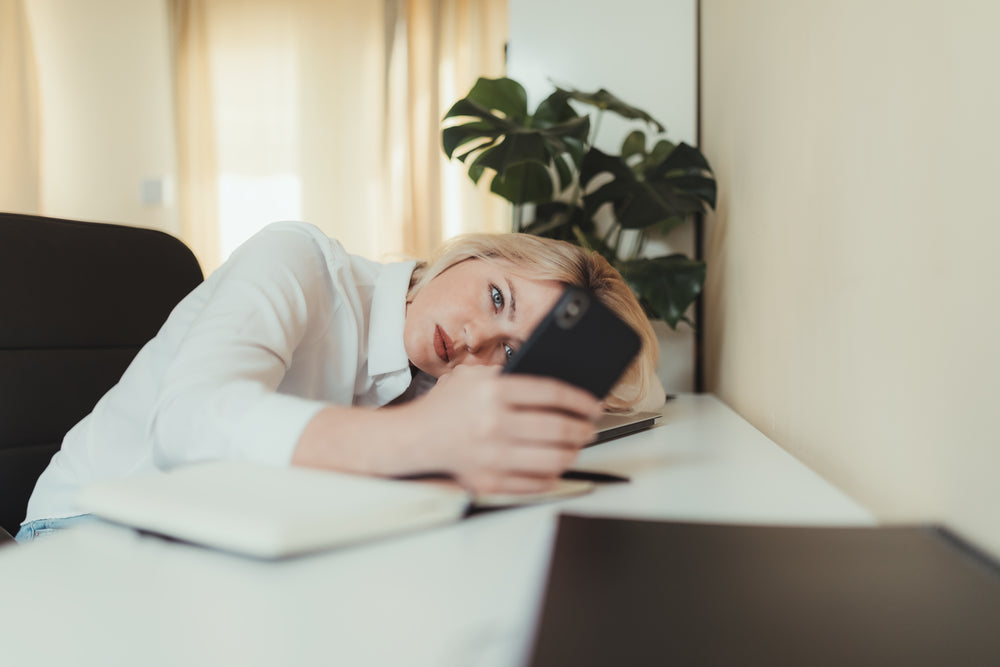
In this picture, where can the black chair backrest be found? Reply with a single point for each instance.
(77, 302)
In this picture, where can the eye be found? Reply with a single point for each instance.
(508, 351)
(496, 296)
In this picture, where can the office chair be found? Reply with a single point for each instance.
(77, 301)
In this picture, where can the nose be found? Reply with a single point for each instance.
(484, 346)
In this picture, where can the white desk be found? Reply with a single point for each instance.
(463, 595)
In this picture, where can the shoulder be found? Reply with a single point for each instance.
(282, 238)
(290, 249)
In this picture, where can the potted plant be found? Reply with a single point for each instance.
(563, 187)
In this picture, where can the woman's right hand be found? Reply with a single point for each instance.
(502, 433)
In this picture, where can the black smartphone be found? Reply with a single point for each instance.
(579, 341)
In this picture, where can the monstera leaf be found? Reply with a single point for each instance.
(639, 158)
(568, 222)
(492, 130)
(605, 101)
(666, 286)
(662, 193)
(548, 159)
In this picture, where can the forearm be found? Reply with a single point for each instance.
(492, 433)
(232, 420)
(358, 440)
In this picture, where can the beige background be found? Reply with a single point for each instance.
(105, 85)
(852, 308)
(106, 109)
(584, 46)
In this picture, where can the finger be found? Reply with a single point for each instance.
(488, 370)
(549, 393)
(534, 427)
(540, 462)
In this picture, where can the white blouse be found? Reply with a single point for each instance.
(289, 324)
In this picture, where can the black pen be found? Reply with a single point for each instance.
(585, 475)
(591, 476)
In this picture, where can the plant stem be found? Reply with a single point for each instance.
(577, 187)
(616, 229)
(597, 126)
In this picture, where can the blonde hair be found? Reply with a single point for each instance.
(548, 259)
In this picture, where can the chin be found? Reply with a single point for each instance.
(433, 368)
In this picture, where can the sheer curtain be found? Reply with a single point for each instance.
(20, 168)
(329, 111)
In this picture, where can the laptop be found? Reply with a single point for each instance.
(641, 592)
(616, 425)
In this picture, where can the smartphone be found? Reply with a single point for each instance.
(579, 341)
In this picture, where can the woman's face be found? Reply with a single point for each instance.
(476, 312)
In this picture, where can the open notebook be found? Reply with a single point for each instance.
(271, 512)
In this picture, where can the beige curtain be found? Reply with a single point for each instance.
(329, 111)
(197, 183)
(439, 49)
(20, 168)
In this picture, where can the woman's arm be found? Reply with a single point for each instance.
(230, 350)
(494, 433)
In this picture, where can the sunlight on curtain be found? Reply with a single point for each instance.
(20, 168)
(439, 49)
(255, 103)
(197, 177)
(329, 111)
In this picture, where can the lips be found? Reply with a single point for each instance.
(442, 345)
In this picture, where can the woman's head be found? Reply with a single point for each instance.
(537, 268)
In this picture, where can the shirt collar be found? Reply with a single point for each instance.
(386, 352)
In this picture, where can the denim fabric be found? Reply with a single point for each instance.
(43, 527)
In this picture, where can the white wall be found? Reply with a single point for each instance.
(105, 95)
(644, 52)
(851, 303)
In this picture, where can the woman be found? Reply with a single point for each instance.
(279, 356)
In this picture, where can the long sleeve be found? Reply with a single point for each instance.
(242, 364)
(219, 396)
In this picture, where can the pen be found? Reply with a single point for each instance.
(591, 476)
(585, 475)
